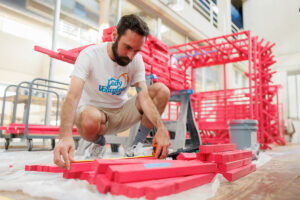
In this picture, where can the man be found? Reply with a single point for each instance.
(97, 98)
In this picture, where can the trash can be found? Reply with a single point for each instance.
(243, 133)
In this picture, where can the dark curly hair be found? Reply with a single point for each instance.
(134, 23)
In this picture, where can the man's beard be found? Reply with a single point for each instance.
(120, 60)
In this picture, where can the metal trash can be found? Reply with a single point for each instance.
(243, 133)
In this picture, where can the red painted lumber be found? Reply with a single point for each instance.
(239, 172)
(138, 189)
(103, 184)
(189, 182)
(28, 168)
(100, 165)
(47, 168)
(85, 175)
(224, 167)
(121, 189)
(33, 167)
(201, 156)
(55, 169)
(187, 156)
(81, 166)
(92, 177)
(229, 156)
(71, 175)
(37, 168)
(161, 187)
(180, 184)
(152, 171)
(216, 148)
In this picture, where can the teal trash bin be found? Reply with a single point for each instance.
(243, 133)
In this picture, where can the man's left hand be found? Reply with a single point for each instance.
(162, 139)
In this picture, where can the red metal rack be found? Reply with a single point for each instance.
(259, 101)
(175, 66)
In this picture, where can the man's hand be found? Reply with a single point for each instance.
(65, 148)
(162, 140)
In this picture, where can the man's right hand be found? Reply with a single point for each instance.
(64, 149)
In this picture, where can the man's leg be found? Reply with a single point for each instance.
(91, 126)
(160, 94)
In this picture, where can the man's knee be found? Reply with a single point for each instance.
(160, 91)
(90, 125)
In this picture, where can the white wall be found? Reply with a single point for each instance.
(18, 60)
(278, 22)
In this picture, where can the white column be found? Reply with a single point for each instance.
(104, 15)
(50, 74)
(158, 28)
(119, 14)
(224, 16)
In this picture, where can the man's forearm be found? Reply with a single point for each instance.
(67, 117)
(151, 112)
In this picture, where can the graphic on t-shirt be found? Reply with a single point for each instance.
(114, 86)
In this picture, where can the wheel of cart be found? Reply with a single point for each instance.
(29, 144)
(52, 143)
(114, 147)
(6, 144)
(76, 139)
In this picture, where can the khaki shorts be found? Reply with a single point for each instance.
(118, 119)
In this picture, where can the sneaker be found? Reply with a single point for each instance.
(96, 151)
(130, 151)
(138, 150)
(83, 145)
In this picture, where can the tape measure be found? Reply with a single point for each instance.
(154, 149)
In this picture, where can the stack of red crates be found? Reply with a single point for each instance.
(174, 78)
(146, 54)
(160, 56)
(106, 37)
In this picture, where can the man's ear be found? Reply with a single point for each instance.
(114, 34)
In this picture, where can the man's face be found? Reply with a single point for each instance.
(127, 46)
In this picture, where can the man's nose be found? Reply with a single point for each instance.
(130, 54)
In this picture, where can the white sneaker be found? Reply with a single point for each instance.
(96, 151)
(83, 145)
(138, 150)
(130, 151)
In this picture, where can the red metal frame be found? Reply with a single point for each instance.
(259, 101)
(213, 109)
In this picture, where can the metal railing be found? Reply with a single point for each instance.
(206, 9)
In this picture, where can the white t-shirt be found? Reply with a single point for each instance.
(106, 82)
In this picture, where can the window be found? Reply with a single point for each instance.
(151, 20)
(236, 77)
(171, 36)
(208, 79)
(78, 19)
(294, 96)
